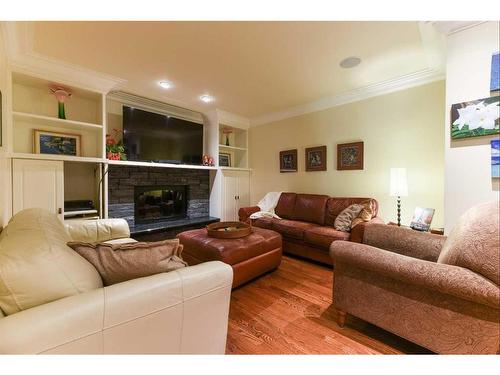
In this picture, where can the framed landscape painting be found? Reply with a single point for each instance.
(495, 158)
(288, 161)
(475, 118)
(316, 159)
(350, 156)
(46, 142)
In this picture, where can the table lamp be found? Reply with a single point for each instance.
(399, 187)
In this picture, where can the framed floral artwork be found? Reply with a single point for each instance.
(475, 118)
(316, 159)
(288, 161)
(350, 156)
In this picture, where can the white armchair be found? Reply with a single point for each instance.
(180, 312)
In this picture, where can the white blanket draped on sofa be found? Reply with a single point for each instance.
(267, 206)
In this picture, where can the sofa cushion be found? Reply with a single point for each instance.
(286, 203)
(36, 266)
(310, 208)
(292, 228)
(264, 222)
(335, 206)
(97, 230)
(474, 242)
(127, 261)
(324, 236)
(344, 220)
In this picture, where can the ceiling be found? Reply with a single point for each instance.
(251, 68)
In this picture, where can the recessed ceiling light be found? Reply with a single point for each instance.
(350, 62)
(206, 98)
(165, 84)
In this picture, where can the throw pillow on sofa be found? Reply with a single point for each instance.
(366, 214)
(344, 220)
(121, 262)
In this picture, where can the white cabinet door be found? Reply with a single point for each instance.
(235, 193)
(229, 192)
(38, 183)
(243, 190)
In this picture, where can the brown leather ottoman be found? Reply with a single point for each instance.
(250, 256)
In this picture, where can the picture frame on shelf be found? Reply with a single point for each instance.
(288, 161)
(475, 118)
(350, 156)
(316, 159)
(224, 159)
(54, 143)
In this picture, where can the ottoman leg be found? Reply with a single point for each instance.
(341, 318)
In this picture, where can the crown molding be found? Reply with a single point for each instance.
(421, 77)
(21, 57)
(231, 119)
(453, 27)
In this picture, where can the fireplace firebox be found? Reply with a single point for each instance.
(159, 203)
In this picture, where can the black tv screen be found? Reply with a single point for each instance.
(149, 136)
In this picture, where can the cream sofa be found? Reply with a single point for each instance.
(52, 300)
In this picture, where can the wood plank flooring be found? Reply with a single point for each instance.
(289, 311)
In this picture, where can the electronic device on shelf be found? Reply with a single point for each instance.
(80, 209)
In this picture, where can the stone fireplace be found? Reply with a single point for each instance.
(165, 193)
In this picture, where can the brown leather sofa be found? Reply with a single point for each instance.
(441, 293)
(306, 223)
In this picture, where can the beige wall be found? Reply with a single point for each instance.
(401, 129)
(468, 161)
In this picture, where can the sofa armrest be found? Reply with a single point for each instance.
(357, 233)
(97, 230)
(447, 279)
(245, 212)
(179, 312)
(404, 241)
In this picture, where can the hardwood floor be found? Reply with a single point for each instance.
(289, 311)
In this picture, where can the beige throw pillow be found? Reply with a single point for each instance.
(365, 214)
(344, 219)
(121, 262)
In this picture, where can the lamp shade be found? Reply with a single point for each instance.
(399, 185)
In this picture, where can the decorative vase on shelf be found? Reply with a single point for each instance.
(226, 132)
(61, 94)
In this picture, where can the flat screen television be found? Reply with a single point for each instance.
(149, 136)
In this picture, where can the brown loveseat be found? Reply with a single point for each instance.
(441, 293)
(306, 223)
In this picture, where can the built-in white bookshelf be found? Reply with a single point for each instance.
(34, 107)
(233, 141)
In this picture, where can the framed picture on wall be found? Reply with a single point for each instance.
(47, 142)
(422, 219)
(475, 118)
(350, 156)
(495, 72)
(495, 158)
(288, 161)
(316, 159)
(224, 159)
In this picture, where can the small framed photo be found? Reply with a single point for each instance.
(47, 142)
(316, 159)
(422, 219)
(224, 159)
(350, 156)
(288, 161)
